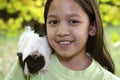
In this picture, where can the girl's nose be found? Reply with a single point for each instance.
(63, 30)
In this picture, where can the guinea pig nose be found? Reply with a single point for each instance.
(35, 55)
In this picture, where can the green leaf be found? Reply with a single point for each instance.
(2, 5)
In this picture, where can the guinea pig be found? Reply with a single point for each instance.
(34, 50)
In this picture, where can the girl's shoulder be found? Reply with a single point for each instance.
(15, 73)
(103, 73)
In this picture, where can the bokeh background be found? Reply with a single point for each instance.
(15, 14)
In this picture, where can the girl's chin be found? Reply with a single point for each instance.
(64, 55)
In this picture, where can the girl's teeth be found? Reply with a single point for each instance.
(65, 42)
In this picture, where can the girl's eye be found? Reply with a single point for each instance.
(53, 22)
(74, 21)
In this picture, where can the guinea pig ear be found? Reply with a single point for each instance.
(92, 30)
(39, 28)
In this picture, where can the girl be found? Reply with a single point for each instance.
(75, 33)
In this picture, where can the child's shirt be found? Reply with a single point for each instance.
(56, 71)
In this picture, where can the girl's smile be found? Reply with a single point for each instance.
(64, 43)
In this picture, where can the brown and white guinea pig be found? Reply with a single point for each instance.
(33, 50)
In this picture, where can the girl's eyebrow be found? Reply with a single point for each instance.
(74, 15)
(51, 16)
(69, 15)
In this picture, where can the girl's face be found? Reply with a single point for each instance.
(67, 28)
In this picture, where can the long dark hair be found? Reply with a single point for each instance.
(96, 44)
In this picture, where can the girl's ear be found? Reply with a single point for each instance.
(92, 30)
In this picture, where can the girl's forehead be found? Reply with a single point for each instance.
(65, 7)
(63, 4)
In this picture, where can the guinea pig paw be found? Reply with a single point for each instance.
(43, 71)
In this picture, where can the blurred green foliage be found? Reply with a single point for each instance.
(14, 13)
(110, 12)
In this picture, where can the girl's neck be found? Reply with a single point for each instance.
(80, 62)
